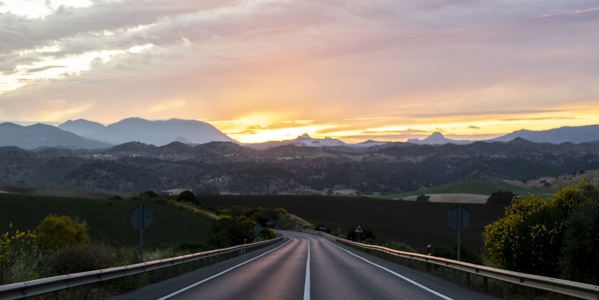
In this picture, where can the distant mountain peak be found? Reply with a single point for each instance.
(437, 138)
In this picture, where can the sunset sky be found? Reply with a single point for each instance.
(272, 70)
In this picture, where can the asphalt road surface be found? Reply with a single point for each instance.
(305, 266)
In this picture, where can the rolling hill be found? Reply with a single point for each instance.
(108, 220)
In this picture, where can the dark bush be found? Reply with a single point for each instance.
(77, 258)
(187, 196)
(501, 197)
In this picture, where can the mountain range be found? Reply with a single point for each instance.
(85, 134)
(40, 135)
(158, 133)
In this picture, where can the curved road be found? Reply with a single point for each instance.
(305, 266)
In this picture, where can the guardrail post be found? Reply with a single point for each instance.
(506, 290)
(176, 270)
(486, 285)
(55, 295)
(468, 280)
(531, 293)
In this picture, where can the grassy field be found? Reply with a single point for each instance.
(415, 223)
(108, 220)
(480, 187)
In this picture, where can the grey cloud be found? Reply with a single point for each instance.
(473, 127)
(43, 69)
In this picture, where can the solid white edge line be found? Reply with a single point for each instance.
(396, 274)
(307, 283)
(221, 273)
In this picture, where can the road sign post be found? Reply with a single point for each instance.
(358, 231)
(458, 218)
(141, 217)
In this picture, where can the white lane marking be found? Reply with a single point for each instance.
(221, 273)
(307, 284)
(396, 274)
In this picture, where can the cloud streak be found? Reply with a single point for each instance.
(334, 67)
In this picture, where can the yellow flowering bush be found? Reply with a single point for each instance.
(12, 245)
(528, 238)
(58, 231)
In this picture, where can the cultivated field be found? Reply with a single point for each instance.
(415, 223)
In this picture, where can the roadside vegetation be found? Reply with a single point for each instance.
(554, 237)
(76, 235)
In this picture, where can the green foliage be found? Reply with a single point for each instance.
(58, 231)
(75, 258)
(12, 247)
(466, 253)
(528, 238)
(259, 215)
(148, 194)
(187, 196)
(231, 231)
(579, 259)
(399, 246)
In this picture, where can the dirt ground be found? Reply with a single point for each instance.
(76, 193)
(553, 183)
(451, 198)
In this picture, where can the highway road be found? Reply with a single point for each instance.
(305, 266)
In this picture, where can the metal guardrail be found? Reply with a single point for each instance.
(559, 286)
(42, 286)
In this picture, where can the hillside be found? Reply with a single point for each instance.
(393, 168)
(108, 220)
(468, 187)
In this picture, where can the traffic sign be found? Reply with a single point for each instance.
(457, 213)
(143, 213)
(359, 229)
(257, 228)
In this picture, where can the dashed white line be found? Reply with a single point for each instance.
(396, 274)
(221, 273)
(307, 283)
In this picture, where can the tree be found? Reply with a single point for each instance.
(58, 231)
(231, 231)
(187, 196)
(579, 259)
(528, 238)
(501, 197)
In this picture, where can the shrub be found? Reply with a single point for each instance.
(187, 196)
(466, 254)
(528, 238)
(231, 231)
(75, 258)
(579, 259)
(400, 247)
(58, 231)
(12, 246)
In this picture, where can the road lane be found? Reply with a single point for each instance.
(307, 267)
